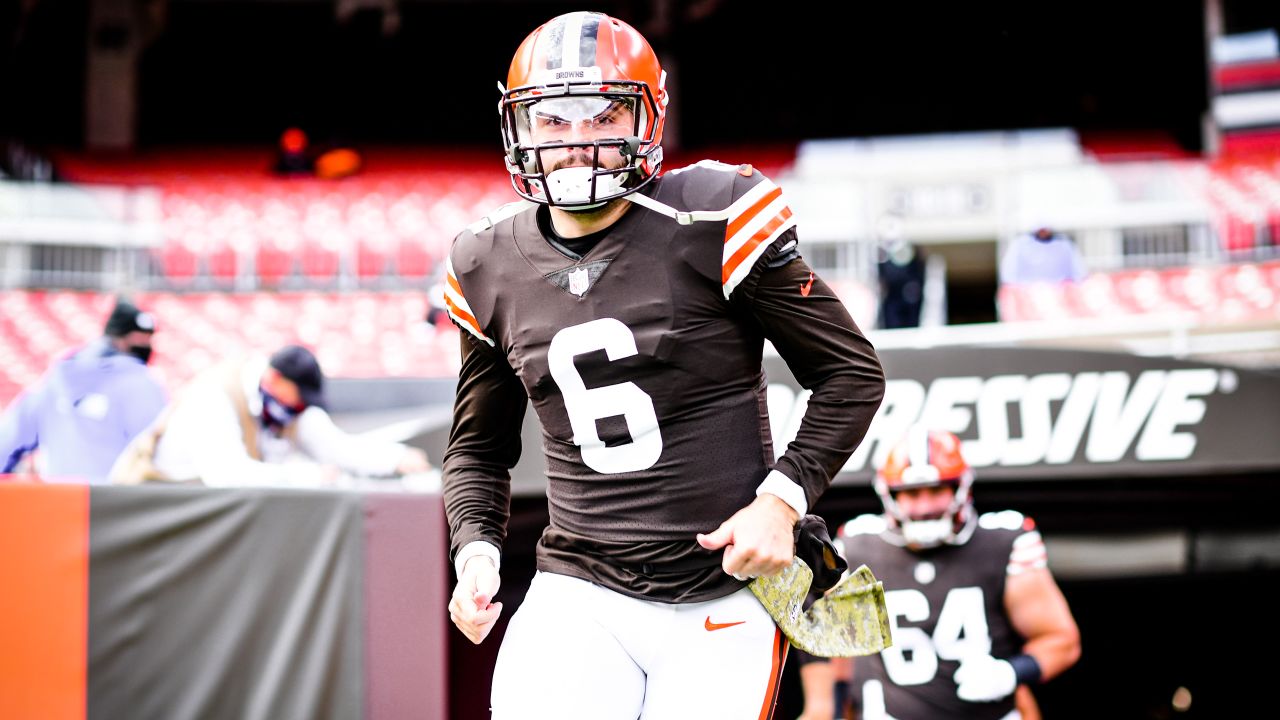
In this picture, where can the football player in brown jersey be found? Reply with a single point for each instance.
(974, 609)
(632, 309)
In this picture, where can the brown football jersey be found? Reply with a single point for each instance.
(945, 604)
(642, 359)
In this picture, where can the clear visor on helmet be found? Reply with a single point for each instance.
(576, 109)
(920, 484)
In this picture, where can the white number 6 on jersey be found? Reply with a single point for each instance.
(585, 406)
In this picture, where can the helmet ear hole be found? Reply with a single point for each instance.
(517, 156)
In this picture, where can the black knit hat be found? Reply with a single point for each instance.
(126, 318)
(297, 364)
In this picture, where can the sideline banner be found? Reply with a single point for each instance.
(1030, 413)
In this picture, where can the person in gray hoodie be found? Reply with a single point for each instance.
(88, 405)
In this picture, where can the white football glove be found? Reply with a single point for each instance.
(985, 679)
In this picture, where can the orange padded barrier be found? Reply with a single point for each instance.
(44, 598)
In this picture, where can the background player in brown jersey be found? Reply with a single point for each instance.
(632, 308)
(974, 609)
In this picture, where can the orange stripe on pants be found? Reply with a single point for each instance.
(780, 647)
(44, 600)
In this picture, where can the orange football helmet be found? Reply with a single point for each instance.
(927, 458)
(580, 67)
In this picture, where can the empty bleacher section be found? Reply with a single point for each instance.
(221, 221)
(1127, 203)
(961, 188)
(1244, 195)
(224, 223)
(231, 257)
(1218, 294)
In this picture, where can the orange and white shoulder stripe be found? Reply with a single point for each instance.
(755, 220)
(1028, 553)
(459, 310)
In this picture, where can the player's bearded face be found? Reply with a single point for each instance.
(926, 515)
(581, 120)
(931, 503)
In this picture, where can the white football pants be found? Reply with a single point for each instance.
(577, 651)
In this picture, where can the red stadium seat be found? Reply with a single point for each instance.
(319, 261)
(371, 260)
(272, 264)
(221, 262)
(413, 260)
(178, 262)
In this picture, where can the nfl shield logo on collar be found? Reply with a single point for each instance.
(578, 281)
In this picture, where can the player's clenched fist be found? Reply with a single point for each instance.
(471, 607)
(757, 540)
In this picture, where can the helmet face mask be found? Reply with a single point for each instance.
(574, 150)
(585, 91)
(927, 459)
(928, 533)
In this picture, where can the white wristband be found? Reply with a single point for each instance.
(474, 548)
(775, 483)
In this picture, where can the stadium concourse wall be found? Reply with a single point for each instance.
(187, 602)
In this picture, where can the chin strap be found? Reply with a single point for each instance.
(681, 216)
(502, 213)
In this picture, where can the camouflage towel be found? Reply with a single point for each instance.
(848, 621)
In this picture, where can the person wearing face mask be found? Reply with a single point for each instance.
(88, 405)
(258, 422)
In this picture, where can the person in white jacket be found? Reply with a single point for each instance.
(262, 422)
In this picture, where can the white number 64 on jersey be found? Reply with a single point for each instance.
(961, 632)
